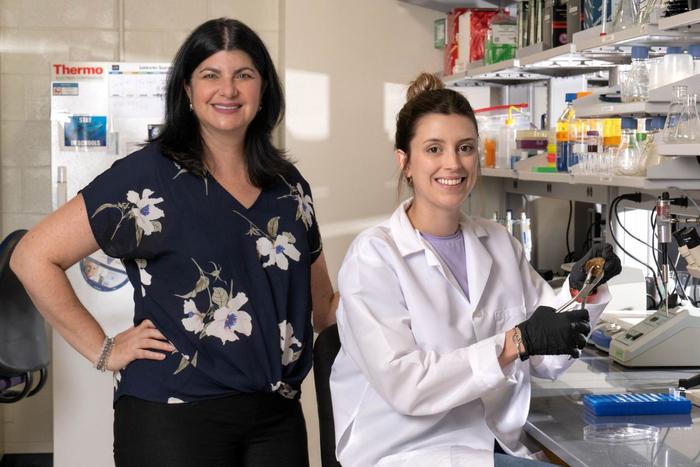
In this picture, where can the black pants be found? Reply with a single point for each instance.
(248, 430)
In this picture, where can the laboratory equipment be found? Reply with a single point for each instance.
(525, 235)
(694, 51)
(593, 145)
(594, 274)
(689, 247)
(662, 339)
(593, 12)
(650, 154)
(636, 404)
(563, 143)
(578, 146)
(687, 129)
(675, 65)
(675, 109)
(669, 337)
(636, 87)
(627, 158)
(626, 15)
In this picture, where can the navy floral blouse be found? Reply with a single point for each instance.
(228, 286)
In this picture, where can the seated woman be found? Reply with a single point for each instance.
(442, 320)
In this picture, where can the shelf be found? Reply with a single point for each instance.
(588, 53)
(445, 6)
(562, 61)
(506, 66)
(612, 109)
(665, 92)
(683, 173)
(640, 34)
(505, 73)
(500, 173)
(678, 149)
(688, 18)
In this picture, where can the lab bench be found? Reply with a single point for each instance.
(557, 416)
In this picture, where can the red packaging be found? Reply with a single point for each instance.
(466, 28)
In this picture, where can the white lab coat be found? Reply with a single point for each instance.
(417, 381)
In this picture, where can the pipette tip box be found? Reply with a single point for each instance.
(635, 404)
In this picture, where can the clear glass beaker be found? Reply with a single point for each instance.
(593, 146)
(675, 109)
(687, 130)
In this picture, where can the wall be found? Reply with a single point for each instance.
(348, 62)
(35, 33)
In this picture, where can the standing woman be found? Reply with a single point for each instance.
(219, 237)
(442, 320)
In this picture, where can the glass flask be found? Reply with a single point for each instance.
(675, 109)
(687, 130)
(626, 15)
(650, 154)
(628, 156)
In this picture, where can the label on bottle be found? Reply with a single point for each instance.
(504, 33)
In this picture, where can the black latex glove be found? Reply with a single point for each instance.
(550, 333)
(611, 269)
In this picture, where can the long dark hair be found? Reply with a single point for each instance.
(180, 138)
(427, 95)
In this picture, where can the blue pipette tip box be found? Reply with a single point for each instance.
(635, 404)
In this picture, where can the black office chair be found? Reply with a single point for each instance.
(24, 347)
(325, 350)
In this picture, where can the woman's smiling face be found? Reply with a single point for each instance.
(443, 161)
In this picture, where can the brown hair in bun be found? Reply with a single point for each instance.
(424, 82)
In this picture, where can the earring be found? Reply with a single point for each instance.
(190, 106)
(260, 108)
(409, 181)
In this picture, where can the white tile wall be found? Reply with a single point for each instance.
(30, 51)
(12, 92)
(25, 143)
(63, 14)
(10, 12)
(263, 15)
(163, 15)
(36, 192)
(152, 46)
(11, 180)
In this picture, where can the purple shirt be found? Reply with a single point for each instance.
(451, 251)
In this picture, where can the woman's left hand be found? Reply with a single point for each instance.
(611, 268)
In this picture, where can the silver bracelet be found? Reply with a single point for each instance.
(518, 341)
(107, 346)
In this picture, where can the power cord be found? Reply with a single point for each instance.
(569, 254)
(612, 210)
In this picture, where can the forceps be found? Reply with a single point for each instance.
(595, 274)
